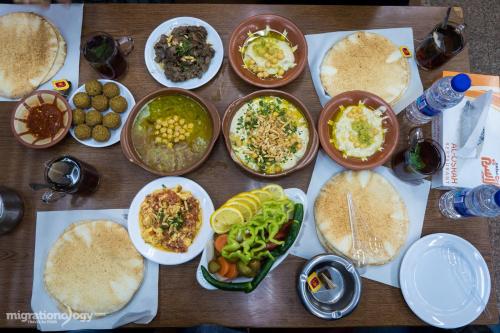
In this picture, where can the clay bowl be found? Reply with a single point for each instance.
(257, 23)
(27, 105)
(313, 144)
(126, 135)
(349, 98)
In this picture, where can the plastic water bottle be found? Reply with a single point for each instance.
(483, 200)
(443, 94)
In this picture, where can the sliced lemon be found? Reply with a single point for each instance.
(223, 218)
(242, 207)
(263, 195)
(276, 191)
(246, 201)
(252, 198)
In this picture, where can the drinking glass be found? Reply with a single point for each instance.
(422, 158)
(67, 175)
(440, 45)
(106, 54)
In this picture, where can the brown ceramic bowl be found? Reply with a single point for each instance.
(313, 144)
(126, 135)
(259, 22)
(26, 105)
(373, 101)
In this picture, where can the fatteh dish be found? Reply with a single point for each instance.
(269, 134)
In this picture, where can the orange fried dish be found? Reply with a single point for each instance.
(170, 219)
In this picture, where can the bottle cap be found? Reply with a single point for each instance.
(460, 82)
(497, 198)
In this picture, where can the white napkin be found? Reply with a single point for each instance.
(472, 123)
(49, 226)
(319, 44)
(68, 19)
(414, 196)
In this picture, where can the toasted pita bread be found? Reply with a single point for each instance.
(60, 57)
(380, 214)
(29, 49)
(93, 268)
(365, 61)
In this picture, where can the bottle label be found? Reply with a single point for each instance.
(425, 108)
(459, 203)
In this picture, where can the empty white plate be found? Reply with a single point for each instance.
(445, 280)
(165, 28)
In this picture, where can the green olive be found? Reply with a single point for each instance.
(213, 266)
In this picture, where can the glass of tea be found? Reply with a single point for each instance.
(440, 45)
(68, 175)
(422, 158)
(107, 54)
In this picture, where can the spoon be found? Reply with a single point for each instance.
(445, 21)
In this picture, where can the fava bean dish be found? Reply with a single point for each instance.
(170, 219)
(172, 132)
(269, 134)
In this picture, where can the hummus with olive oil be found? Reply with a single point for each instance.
(357, 131)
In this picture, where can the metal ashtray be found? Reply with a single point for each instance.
(333, 289)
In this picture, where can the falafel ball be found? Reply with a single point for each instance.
(100, 133)
(81, 100)
(78, 117)
(83, 132)
(110, 90)
(118, 104)
(93, 117)
(112, 120)
(100, 103)
(93, 88)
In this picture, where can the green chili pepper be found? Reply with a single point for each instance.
(249, 286)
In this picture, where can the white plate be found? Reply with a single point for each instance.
(445, 280)
(295, 195)
(115, 133)
(204, 234)
(157, 72)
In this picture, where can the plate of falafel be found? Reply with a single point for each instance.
(100, 109)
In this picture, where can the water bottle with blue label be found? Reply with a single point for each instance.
(443, 94)
(483, 200)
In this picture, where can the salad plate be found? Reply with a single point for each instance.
(295, 195)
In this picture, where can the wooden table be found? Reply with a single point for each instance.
(182, 302)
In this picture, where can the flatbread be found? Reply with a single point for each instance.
(365, 61)
(93, 268)
(60, 57)
(380, 214)
(29, 47)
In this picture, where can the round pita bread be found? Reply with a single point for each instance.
(60, 57)
(380, 214)
(365, 61)
(93, 268)
(29, 49)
